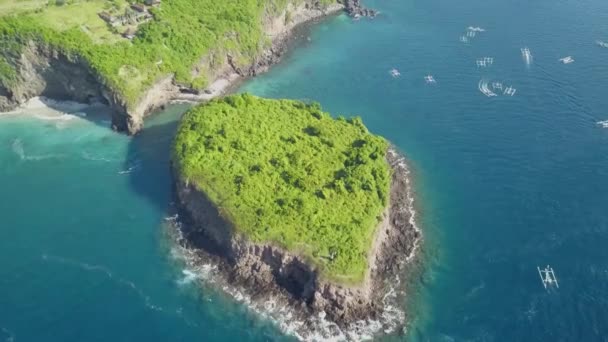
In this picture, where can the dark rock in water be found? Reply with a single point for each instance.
(354, 9)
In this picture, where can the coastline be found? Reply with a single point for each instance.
(73, 79)
(231, 76)
(396, 245)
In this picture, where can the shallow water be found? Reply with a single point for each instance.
(504, 184)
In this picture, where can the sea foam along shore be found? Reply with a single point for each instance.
(292, 316)
(61, 112)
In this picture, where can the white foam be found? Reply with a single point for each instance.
(86, 155)
(18, 149)
(189, 277)
(485, 89)
(475, 29)
(604, 123)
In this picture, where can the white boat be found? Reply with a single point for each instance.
(481, 63)
(429, 79)
(547, 276)
(395, 73)
(567, 60)
(497, 85)
(601, 43)
(526, 55)
(488, 61)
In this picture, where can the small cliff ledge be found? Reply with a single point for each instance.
(334, 252)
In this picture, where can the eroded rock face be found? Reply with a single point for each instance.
(355, 9)
(267, 270)
(45, 71)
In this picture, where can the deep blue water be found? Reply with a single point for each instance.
(504, 184)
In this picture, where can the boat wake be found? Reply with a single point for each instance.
(132, 167)
(490, 90)
(604, 123)
(475, 29)
(88, 156)
(485, 89)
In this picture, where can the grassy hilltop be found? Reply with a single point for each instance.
(287, 173)
(175, 38)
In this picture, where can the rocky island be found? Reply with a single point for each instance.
(295, 204)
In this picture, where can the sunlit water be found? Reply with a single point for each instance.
(504, 184)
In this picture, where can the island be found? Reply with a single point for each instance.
(295, 204)
(138, 55)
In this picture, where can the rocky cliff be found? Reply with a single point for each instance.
(267, 270)
(45, 71)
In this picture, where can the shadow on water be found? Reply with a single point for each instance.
(97, 113)
(148, 158)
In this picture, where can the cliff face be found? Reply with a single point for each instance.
(267, 270)
(45, 71)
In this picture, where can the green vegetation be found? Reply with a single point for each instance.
(173, 42)
(287, 173)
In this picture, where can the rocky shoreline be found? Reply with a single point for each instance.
(46, 71)
(266, 272)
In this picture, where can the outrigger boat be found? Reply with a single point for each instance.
(510, 91)
(567, 60)
(547, 276)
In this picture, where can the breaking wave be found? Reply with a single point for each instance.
(604, 123)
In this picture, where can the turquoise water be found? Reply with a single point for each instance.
(504, 184)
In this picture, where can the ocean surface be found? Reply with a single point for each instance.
(503, 183)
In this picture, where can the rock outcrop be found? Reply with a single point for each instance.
(356, 10)
(267, 270)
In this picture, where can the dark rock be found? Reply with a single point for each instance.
(354, 9)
